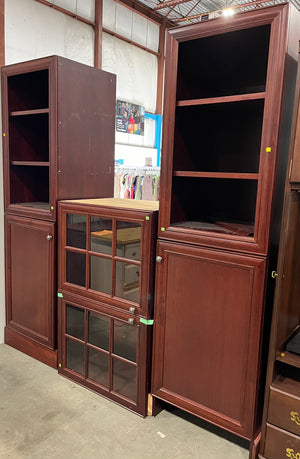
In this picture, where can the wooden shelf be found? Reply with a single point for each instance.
(30, 163)
(289, 358)
(221, 100)
(217, 227)
(35, 205)
(38, 111)
(221, 175)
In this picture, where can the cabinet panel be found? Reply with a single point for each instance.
(208, 310)
(30, 280)
(104, 350)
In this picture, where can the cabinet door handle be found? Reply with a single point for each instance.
(49, 237)
(158, 259)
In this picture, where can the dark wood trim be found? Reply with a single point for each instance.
(98, 34)
(128, 40)
(67, 12)
(144, 11)
(221, 100)
(226, 175)
(30, 347)
(2, 36)
(161, 68)
(254, 447)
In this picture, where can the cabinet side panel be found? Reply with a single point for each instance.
(86, 123)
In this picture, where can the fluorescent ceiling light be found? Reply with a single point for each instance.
(228, 12)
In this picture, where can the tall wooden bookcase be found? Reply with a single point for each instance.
(281, 420)
(58, 143)
(228, 95)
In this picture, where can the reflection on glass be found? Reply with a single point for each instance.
(99, 330)
(125, 340)
(75, 268)
(101, 274)
(101, 235)
(75, 321)
(98, 367)
(76, 231)
(124, 378)
(129, 240)
(127, 281)
(75, 356)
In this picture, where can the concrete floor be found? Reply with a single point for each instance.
(43, 415)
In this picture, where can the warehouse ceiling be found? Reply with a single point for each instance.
(181, 12)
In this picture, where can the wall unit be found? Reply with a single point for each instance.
(58, 143)
(106, 281)
(229, 92)
(281, 420)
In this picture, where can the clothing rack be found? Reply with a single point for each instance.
(140, 182)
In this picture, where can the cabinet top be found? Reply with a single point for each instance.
(117, 203)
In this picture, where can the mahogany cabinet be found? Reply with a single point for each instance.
(281, 419)
(58, 143)
(227, 125)
(106, 281)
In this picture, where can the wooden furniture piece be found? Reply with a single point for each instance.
(281, 420)
(106, 281)
(229, 92)
(58, 142)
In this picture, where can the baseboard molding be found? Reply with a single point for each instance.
(30, 347)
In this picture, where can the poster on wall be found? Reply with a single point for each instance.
(129, 118)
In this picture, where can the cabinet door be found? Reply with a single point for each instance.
(30, 277)
(105, 350)
(207, 330)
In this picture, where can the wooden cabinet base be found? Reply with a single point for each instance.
(31, 348)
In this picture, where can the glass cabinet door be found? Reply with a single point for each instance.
(104, 255)
(102, 349)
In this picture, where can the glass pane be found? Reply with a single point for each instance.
(75, 356)
(76, 231)
(75, 268)
(98, 367)
(124, 379)
(101, 235)
(125, 340)
(99, 330)
(127, 281)
(100, 274)
(129, 240)
(75, 321)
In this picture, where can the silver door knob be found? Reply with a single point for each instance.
(131, 321)
(158, 259)
(49, 237)
(132, 309)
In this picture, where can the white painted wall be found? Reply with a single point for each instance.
(33, 30)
